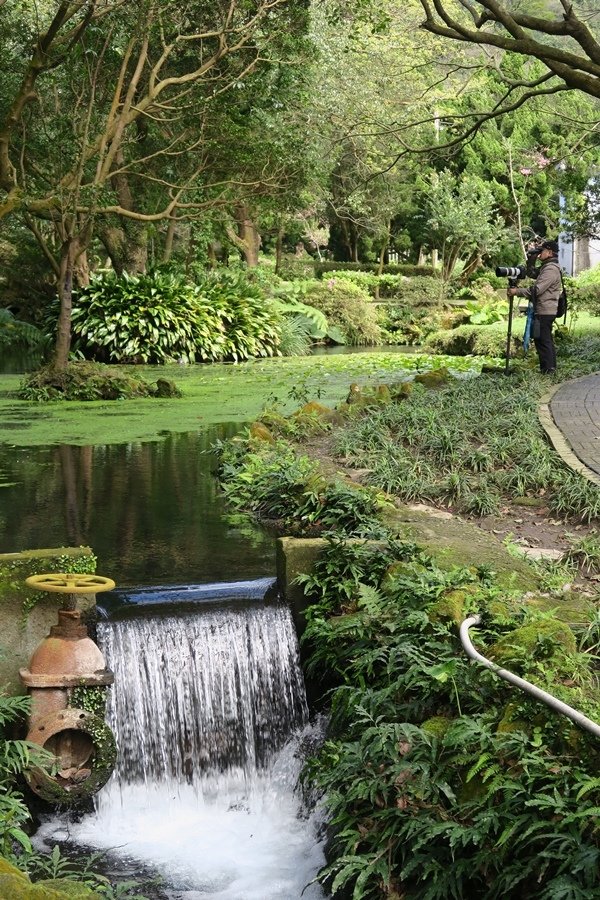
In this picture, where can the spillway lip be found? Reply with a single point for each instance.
(138, 600)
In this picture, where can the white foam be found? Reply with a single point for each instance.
(239, 845)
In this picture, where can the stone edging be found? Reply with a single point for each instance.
(557, 438)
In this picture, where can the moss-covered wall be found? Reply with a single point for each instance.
(27, 615)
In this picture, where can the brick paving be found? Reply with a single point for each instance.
(575, 408)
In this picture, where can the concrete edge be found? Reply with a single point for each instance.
(557, 438)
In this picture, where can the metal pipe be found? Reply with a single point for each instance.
(526, 686)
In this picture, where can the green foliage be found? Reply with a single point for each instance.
(584, 291)
(294, 336)
(272, 482)
(47, 868)
(20, 334)
(161, 317)
(349, 308)
(15, 758)
(143, 318)
(486, 313)
(248, 321)
(461, 218)
(497, 803)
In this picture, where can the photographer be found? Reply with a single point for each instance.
(544, 294)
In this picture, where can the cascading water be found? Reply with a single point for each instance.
(209, 711)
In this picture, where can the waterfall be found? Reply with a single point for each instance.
(210, 716)
(203, 694)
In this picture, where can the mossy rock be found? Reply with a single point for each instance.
(400, 569)
(314, 409)
(533, 502)
(436, 378)
(401, 391)
(503, 610)
(166, 388)
(383, 393)
(437, 726)
(355, 394)
(546, 639)
(274, 421)
(453, 604)
(16, 885)
(508, 724)
(368, 397)
(260, 432)
(570, 608)
(70, 889)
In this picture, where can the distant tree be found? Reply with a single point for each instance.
(461, 219)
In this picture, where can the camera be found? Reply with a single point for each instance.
(517, 272)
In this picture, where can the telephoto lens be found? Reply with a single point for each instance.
(510, 271)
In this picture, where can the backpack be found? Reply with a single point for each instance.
(562, 305)
(562, 300)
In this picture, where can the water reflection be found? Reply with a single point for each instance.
(152, 512)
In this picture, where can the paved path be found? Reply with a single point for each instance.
(570, 413)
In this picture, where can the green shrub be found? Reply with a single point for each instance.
(348, 307)
(91, 381)
(324, 268)
(15, 759)
(14, 333)
(294, 335)
(408, 324)
(249, 321)
(439, 779)
(584, 291)
(159, 317)
(145, 319)
(477, 340)
(272, 482)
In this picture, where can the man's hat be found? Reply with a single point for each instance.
(550, 245)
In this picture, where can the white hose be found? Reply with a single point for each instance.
(526, 686)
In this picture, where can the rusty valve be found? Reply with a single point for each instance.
(69, 661)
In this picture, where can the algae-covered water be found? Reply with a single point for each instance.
(211, 394)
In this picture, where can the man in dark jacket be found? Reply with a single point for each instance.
(544, 293)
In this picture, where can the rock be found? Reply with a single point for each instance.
(436, 378)
(541, 553)
(354, 394)
(260, 432)
(553, 638)
(437, 726)
(166, 388)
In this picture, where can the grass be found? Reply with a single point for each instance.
(211, 394)
(474, 446)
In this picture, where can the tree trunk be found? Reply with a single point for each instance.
(279, 248)
(70, 251)
(249, 238)
(127, 247)
(168, 248)
(422, 257)
(382, 251)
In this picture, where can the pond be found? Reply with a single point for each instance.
(152, 512)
